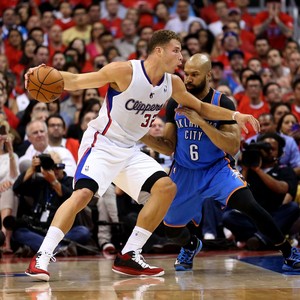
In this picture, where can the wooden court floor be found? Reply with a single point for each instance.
(216, 275)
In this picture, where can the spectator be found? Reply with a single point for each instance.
(248, 18)
(237, 63)
(216, 27)
(73, 103)
(32, 22)
(9, 21)
(95, 48)
(56, 132)
(37, 34)
(290, 47)
(206, 40)
(112, 53)
(254, 104)
(278, 110)
(247, 38)
(13, 47)
(191, 42)
(111, 17)
(141, 50)
(8, 115)
(218, 76)
(41, 55)
(274, 24)
(265, 75)
(81, 29)
(65, 12)
(48, 189)
(8, 173)
(38, 137)
(180, 24)
(296, 98)
(126, 44)
(272, 93)
(262, 47)
(25, 61)
(94, 13)
(161, 15)
(58, 60)
(47, 21)
(145, 33)
(55, 42)
(230, 42)
(280, 73)
(90, 104)
(255, 65)
(291, 154)
(76, 130)
(83, 57)
(288, 124)
(274, 188)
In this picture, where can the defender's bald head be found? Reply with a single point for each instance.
(200, 61)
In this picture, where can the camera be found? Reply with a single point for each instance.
(251, 155)
(47, 162)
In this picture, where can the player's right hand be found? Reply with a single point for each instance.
(30, 71)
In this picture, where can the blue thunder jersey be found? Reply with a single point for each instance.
(201, 170)
(194, 149)
(125, 117)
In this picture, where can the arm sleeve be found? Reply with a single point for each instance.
(170, 111)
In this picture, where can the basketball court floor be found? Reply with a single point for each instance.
(235, 275)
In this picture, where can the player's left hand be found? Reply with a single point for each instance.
(191, 114)
(243, 120)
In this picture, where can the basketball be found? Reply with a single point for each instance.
(45, 84)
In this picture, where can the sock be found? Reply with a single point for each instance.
(284, 248)
(192, 244)
(137, 239)
(51, 240)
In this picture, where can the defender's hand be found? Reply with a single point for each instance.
(30, 71)
(191, 114)
(243, 119)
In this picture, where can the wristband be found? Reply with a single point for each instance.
(234, 114)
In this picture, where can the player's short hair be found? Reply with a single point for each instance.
(162, 38)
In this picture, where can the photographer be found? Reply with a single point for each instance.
(273, 186)
(46, 183)
(8, 173)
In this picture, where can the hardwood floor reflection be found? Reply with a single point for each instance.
(216, 275)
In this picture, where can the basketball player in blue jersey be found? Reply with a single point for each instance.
(108, 152)
(201, 169)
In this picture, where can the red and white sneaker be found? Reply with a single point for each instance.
(133, 264)
(38, 267)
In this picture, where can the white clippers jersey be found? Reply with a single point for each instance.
(125, 117)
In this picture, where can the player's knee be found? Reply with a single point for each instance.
(166, 187)
(82, 197)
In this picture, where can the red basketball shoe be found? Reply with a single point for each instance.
(38, 267)
(133, 264)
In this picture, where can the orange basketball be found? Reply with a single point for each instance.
(45, 84)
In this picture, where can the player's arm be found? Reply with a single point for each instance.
(117, 74)
(167, 143)
(208, 111)
(226, 138)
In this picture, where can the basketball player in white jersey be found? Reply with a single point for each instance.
(137, 92)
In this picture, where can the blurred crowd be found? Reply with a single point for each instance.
(255, 61)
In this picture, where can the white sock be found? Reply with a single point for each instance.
(137, 239)
(51, 240)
